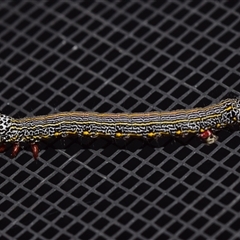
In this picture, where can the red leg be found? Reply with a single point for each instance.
(208, 136)
(16, 149)
(2, 148)
(35, 150)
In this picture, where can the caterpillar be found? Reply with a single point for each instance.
(203, 122)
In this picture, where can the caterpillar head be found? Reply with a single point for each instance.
(5, 124)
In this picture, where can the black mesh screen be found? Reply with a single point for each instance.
(122, 56)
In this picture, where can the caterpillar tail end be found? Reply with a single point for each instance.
(209, 137)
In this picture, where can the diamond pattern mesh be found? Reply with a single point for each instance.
(122, 56)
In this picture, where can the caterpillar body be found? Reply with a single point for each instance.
(201, 121)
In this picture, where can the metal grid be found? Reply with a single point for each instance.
(119, 56)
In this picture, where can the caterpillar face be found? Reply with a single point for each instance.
(5, 124)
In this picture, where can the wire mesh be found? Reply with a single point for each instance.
(128, 56)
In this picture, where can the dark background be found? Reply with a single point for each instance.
(128, 56)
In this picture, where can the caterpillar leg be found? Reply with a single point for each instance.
(208, 136)
(16, 149)
(2, 148)
(35, 150)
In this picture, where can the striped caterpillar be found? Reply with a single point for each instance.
(201, 121)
